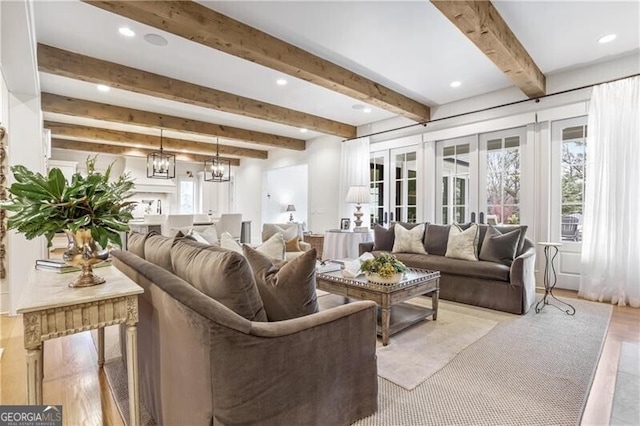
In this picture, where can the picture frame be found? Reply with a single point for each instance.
(345, 224)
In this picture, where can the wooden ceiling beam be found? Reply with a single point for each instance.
(210, 28)
(115, 114)
(148, 141)
(103, 148)
(482, 24)
(80, 67)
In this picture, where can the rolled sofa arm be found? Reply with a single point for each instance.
(522, 274)
(365, 247)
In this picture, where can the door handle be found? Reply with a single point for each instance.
(481, 217)
(473, 217)
(391, 216)
(385, 218)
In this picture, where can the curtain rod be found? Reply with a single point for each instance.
(536, 100)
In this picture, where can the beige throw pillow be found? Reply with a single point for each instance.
(408, 240)
(463, 244)
(274, 247)
(287, 291)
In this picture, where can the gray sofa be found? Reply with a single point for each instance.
(481, 283)
(202, 363)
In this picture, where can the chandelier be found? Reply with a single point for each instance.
(161, 165)
(217, 169)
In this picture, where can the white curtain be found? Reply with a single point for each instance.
(354, 170)
(611, 229)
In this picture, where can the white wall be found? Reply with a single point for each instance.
(285, 186)
(322, 158)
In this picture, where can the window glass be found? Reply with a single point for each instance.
(573, 181)
(187, 196)
(503, 179)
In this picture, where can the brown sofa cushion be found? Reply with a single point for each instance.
(436, 239)
(504, 229)
(288, 291)
(220, 274)
(135, 243)
(383, 238)
(451, 266)
(499, 247)
(157, 250)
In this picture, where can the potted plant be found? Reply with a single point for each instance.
(91, 210)
(384, 269)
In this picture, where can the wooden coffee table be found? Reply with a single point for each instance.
(416, 282)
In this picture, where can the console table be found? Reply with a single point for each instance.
(52, 309)
(550, 278)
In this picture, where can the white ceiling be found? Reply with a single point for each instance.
(408, 46)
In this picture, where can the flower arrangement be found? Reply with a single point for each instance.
(385, 265)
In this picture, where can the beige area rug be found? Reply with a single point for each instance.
(416, 353)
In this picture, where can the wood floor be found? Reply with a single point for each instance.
(73, 380)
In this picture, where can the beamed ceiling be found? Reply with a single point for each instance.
(347, 64)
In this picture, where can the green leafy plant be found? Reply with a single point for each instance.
(385, 265)
(45, 205)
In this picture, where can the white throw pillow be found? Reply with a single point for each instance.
(463, 244)
(229, 243)
(210, 234)
(408, 240)
(274, 247)
(199, 238)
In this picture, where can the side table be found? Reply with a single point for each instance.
(316, 241)
(52, 309)
(343, 244)
(550, 278)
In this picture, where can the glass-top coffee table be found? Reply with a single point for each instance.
(416, 282)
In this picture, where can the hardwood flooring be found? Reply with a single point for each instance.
(73, 379)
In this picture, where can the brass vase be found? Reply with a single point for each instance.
(83, 251)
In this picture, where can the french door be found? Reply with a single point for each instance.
(395, 185)
(478, 178)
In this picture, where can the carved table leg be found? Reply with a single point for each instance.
(132, 371)
(101, 347)
(385, 323)
(34, 376)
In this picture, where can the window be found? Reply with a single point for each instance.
(455, 183)
(573, 179)
(186, 196)
(503, 179)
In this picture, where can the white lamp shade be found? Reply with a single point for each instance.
(358, 194)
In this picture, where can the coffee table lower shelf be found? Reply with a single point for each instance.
(403, 315)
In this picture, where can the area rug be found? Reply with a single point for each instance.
(534, 370)
(414, 354)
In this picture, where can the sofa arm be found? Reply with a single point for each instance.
(522, 274)
(365, 247)
(319, 369)
(304, 246)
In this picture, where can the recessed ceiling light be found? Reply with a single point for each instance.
(103, 87)
(607, 38)
(303, 130)
(366, 110)
(281, 82)
(126, 31)
(358, 106)
(155, 39)
(455, 84)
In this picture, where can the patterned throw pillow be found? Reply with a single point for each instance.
(463, 244)
(288, 291)
(408, 240)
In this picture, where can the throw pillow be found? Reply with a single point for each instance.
(383, 238)
(198, 237)
(436, 239)
(292, 245)
(288, 291)
(274, 247)
(135, 243)
(229, 243)
(463, 244)
(498, 247)
(210, 234)
(289, 231)
(220, 274)
(408, 240)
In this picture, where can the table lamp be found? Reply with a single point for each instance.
(291, 208)
(358, 195)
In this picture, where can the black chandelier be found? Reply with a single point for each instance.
(161, 165)
(217, 169)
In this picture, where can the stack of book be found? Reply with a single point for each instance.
(61, 267)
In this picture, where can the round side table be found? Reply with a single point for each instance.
(550, 278)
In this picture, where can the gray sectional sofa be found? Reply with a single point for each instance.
(208, 356)
(494, 285)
